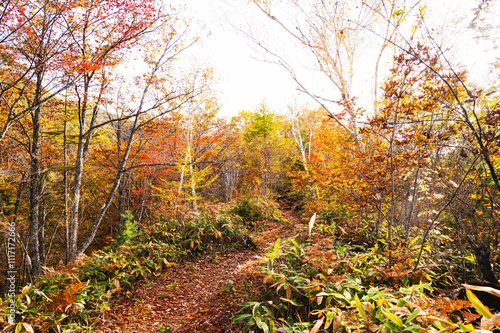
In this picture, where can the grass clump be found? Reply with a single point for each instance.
(254, 211)
(71, 298)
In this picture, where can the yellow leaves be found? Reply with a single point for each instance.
(398, 12)
(422, 10)
(268, 278)
(360, 307)
(331, 317)
(27, 327)
(25, 289)
(168, 264)
(478, 305)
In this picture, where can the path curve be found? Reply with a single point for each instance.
(200, 295)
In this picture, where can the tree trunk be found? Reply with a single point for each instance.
(41, 221)
(298, 139)
(65, 180)
(77, 185)
(84, 138)
(86, 132)
(35, 188)
(483, 253)
(119, 175)
(193, 184)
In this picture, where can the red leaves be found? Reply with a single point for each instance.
(341, 114)
(13, 16)
(74, 37)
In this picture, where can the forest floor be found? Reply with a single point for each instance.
(202, 294)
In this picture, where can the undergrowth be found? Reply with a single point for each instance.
(71, 299)
(347, 281)
(253, 211)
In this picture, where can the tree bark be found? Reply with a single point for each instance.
(77, 180)
(483, 253)
(84, 139)
(120, 172)
(35, 188)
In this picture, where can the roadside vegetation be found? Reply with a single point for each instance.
(338, 215)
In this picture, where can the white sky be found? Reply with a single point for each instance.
(245, 82)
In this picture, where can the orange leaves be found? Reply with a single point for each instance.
(75, 37)
(83, 67)
(64, 300)
(347, 172)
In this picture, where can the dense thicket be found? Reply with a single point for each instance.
(84, 148)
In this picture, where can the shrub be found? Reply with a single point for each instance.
(253, 211)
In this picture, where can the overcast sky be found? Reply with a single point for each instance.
(245, 82)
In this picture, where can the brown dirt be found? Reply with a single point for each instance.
(200, 295)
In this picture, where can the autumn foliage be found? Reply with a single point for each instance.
(112, 178)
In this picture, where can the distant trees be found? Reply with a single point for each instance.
(427, 154)
(267, 149)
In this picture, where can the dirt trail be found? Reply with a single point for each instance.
(200, 295)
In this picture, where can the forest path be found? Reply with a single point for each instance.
(200, 295)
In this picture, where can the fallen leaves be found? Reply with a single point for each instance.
(193, 296)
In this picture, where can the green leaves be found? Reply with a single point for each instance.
(392, 317)
(291, 276)
(275, 252)
(398, 12)
(261, 316)
(360, 307)
(128, 230)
